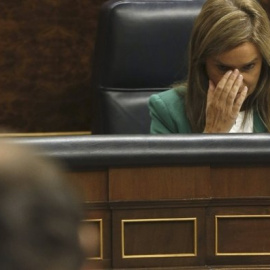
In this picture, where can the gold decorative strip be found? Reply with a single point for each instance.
(38, 134)
(100, 257)
(217, 253)
(123, 222)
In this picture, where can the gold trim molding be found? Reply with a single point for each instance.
(100, 257)
(123, 222)
(217, 253)
(41, 134)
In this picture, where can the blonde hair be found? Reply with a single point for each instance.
(223, 25)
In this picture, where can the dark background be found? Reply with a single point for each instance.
(46, 56)
(46, 50)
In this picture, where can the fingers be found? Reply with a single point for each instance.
(239, 100)
(224, 101)
(228, 87)
(237, 83)
(211, 91)
(222, 84)
(211, 86)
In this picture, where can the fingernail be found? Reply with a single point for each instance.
(240, 77)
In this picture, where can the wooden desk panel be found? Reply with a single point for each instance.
(158, 183)
(138, 204)
(240, 181)
(158, 237)
(92, 186)
(100, 255)
(237, 235)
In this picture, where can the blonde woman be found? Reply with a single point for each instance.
(228, 84)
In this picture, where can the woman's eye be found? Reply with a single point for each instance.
(223, 68)
(248, 67)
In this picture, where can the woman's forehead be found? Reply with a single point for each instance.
(245, 53)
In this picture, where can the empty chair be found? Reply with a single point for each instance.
(141, 49)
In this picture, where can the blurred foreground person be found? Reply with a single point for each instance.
(39, 214)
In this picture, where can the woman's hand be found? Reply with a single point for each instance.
(224, 102)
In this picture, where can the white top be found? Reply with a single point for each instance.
(247, 127)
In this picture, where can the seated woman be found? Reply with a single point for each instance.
(228, 83)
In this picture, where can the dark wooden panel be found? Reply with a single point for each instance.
(243, 234)
(97, 239)
(92, 186)
(158, 183)
(144, 237)
(158, 237)
(238, 235)
(240, 181)
(148, 216)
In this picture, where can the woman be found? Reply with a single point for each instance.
(228, 84)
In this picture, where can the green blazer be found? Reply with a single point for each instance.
(167, 111)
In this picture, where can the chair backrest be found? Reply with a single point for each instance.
(141, 49)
